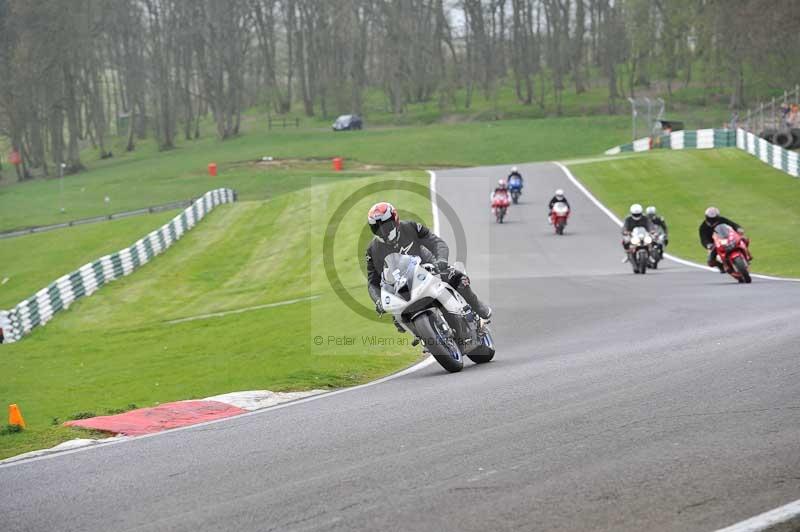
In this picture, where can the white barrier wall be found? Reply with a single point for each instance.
(44, 304)
(772, 154)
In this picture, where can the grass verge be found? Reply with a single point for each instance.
(147, 177)
(31, 262)
(117, 347)
(681, 184)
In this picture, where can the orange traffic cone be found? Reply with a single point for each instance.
(15, 416)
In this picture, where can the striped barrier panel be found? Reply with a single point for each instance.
(679, 140)
(772, 154)
(60, 294)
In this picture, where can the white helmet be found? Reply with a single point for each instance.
(559, 193)
(636, 210)
(513, 169)
(650, 211)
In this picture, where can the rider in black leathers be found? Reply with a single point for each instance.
(634, 219)
(411, 238)
(659, 221)
(559, 197)
(706, 230)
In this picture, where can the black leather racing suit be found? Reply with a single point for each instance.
(416, 239)
(631, 222)
(555, 200)
(706, 230)
(661, 222)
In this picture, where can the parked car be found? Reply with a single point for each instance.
(346, 122)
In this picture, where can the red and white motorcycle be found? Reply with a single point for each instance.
(732, 252)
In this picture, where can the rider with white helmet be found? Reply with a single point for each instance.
(515, 175)
(558, 197)
(657, 220)
(636, 218)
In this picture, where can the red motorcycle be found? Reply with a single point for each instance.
(500, 203)
(732, 252)
(558, 217)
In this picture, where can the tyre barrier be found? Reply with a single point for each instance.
(784, 139)
(60, 294)
(772, 154)
(796, 135)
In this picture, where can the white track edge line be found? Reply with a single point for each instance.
(763, 522)
(428, 360)
(241, 310)
(434, 202)
(669, 256)
(419, 365)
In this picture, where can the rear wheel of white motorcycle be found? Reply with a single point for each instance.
(438, 340)
(741, 266)
(485, 352)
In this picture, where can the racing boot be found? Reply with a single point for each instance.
(482, 310)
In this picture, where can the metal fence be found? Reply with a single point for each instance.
(10, 233)
(778, 114)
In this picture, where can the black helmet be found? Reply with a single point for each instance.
(384, 222)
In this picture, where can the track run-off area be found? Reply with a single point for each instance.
(665, 401)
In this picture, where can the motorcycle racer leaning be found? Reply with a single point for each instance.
(706, 230)
(411, 238)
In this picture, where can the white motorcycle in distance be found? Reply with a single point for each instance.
(434, 312)
(639, 250)
(657, 249)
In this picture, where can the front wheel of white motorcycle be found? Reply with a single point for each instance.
(438, 339)
(484, 352)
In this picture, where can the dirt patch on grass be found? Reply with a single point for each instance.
(313, 163)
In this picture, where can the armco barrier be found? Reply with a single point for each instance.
(60, 294)
(679, 140)
(21, 231)
(772, 154)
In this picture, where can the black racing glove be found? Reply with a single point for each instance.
(379, 307)
(442, 265)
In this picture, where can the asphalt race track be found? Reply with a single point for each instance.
(669, 401)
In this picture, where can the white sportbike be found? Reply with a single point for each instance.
(434, 312)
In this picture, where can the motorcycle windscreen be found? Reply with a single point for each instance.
(398, 271)
(638, 236)
(560, 208)
(723, 230)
